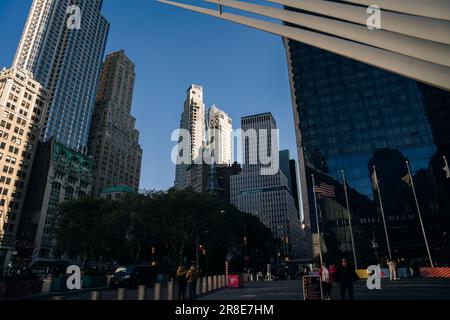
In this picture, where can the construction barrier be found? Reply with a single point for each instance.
(402, 273)
(443, 272)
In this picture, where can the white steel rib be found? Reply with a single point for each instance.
(428, 72)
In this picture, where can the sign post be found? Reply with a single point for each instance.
(312, 288)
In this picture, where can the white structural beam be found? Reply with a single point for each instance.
(422, 49)
(438, 9)
(415, 26)
(413, 68)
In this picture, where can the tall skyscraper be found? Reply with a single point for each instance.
(67, 62)
(114, 141)
(289, 167)
(193, 122)
(59, 174)
(219, 135)
(268, 197)
(351, 116)
(22, 106)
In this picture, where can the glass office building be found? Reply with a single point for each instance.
(351, 116)
(67, 61)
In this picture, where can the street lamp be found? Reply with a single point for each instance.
(197, 246)
(304, 230)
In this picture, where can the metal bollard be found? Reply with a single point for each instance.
(59, 298)
(96, 295)
(198, 287)
(157, 292)
(210, 284)
(170, 289)
(121, 294)
(215, 282)
(204, 285)
(142, 293)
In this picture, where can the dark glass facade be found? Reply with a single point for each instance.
(351, 116)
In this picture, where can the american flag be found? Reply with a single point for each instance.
(325, 191)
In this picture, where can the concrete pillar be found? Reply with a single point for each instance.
(170, 289)
(204, 285)
(142, 293)
(121, 294)
(96, 295)
(215, 282)
(222, 281)
(157, 292)
(198, 287)
(210, 284)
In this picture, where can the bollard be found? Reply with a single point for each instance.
(204, 285)
(121, 294)
(198, 287)
(210, 284)
(142, 293)
(170, 289)
(157, 292)
(96, 295)
(59, 298)
(215, 282)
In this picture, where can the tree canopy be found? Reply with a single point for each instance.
(163, 227)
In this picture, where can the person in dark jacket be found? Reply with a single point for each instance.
(346, 276)
(182, 282)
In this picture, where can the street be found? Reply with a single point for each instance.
(405, 289)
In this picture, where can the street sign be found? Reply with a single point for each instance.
(312, 288)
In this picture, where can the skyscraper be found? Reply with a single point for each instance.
(289, 167)
(114, 141)
(351, 116)
(219, 135)
(59, 174)
(268, 197)
(22, 106)
(193, 123)
(67, 62)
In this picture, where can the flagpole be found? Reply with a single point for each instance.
(349, 220)
(382, 213)
(317, 219)
(420, 214)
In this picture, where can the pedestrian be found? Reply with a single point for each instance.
(346, 276)
(191, 278)
(260, 276)
(325, 278)
(333, 271)
(392, 264)
(182, 282)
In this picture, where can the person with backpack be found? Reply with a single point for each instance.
(192, 277)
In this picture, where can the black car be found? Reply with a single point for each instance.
(133, 276)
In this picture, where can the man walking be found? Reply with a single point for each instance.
(392, 269)
(346, 275)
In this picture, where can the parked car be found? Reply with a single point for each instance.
(133, 276)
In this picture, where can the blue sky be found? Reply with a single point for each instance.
(243, 71)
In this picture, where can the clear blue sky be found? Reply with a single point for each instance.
(243, 71)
